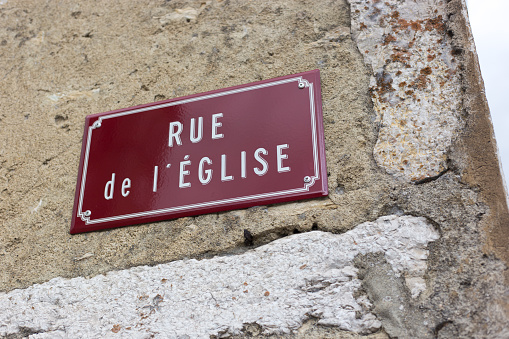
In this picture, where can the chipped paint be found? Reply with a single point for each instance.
(36, 208)
(277, 286)
(188, 14)
(84, 256)
(73, 95)
(415, 86)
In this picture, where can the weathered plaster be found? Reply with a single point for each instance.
(415, 85)
(101, 56)
(477, 149)
(277, 286)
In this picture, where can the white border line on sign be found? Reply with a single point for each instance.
(98, 123)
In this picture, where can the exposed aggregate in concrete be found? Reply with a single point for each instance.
(277, 286)
(415, 85)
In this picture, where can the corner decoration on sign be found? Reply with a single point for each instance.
(248, 145)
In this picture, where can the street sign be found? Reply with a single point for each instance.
(248, 145)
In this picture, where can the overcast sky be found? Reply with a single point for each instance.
(489, 21)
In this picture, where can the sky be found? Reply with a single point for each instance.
(488, 19)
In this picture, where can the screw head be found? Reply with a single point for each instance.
(301, 85)
(307, 179)
(87, 213)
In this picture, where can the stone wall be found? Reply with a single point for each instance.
(410, 242)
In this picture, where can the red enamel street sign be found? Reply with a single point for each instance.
(242, 146)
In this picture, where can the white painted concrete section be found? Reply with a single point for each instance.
(277, 286)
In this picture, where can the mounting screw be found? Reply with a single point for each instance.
(301, 85)
(87, 213)
(307, 179)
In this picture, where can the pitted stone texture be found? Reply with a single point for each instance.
(415, 85)
(277, 286)
(64, 60)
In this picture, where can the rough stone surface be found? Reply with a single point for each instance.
(78, 59)
(277, 287)
(62, 60)
(477, 149)
(415, 81)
